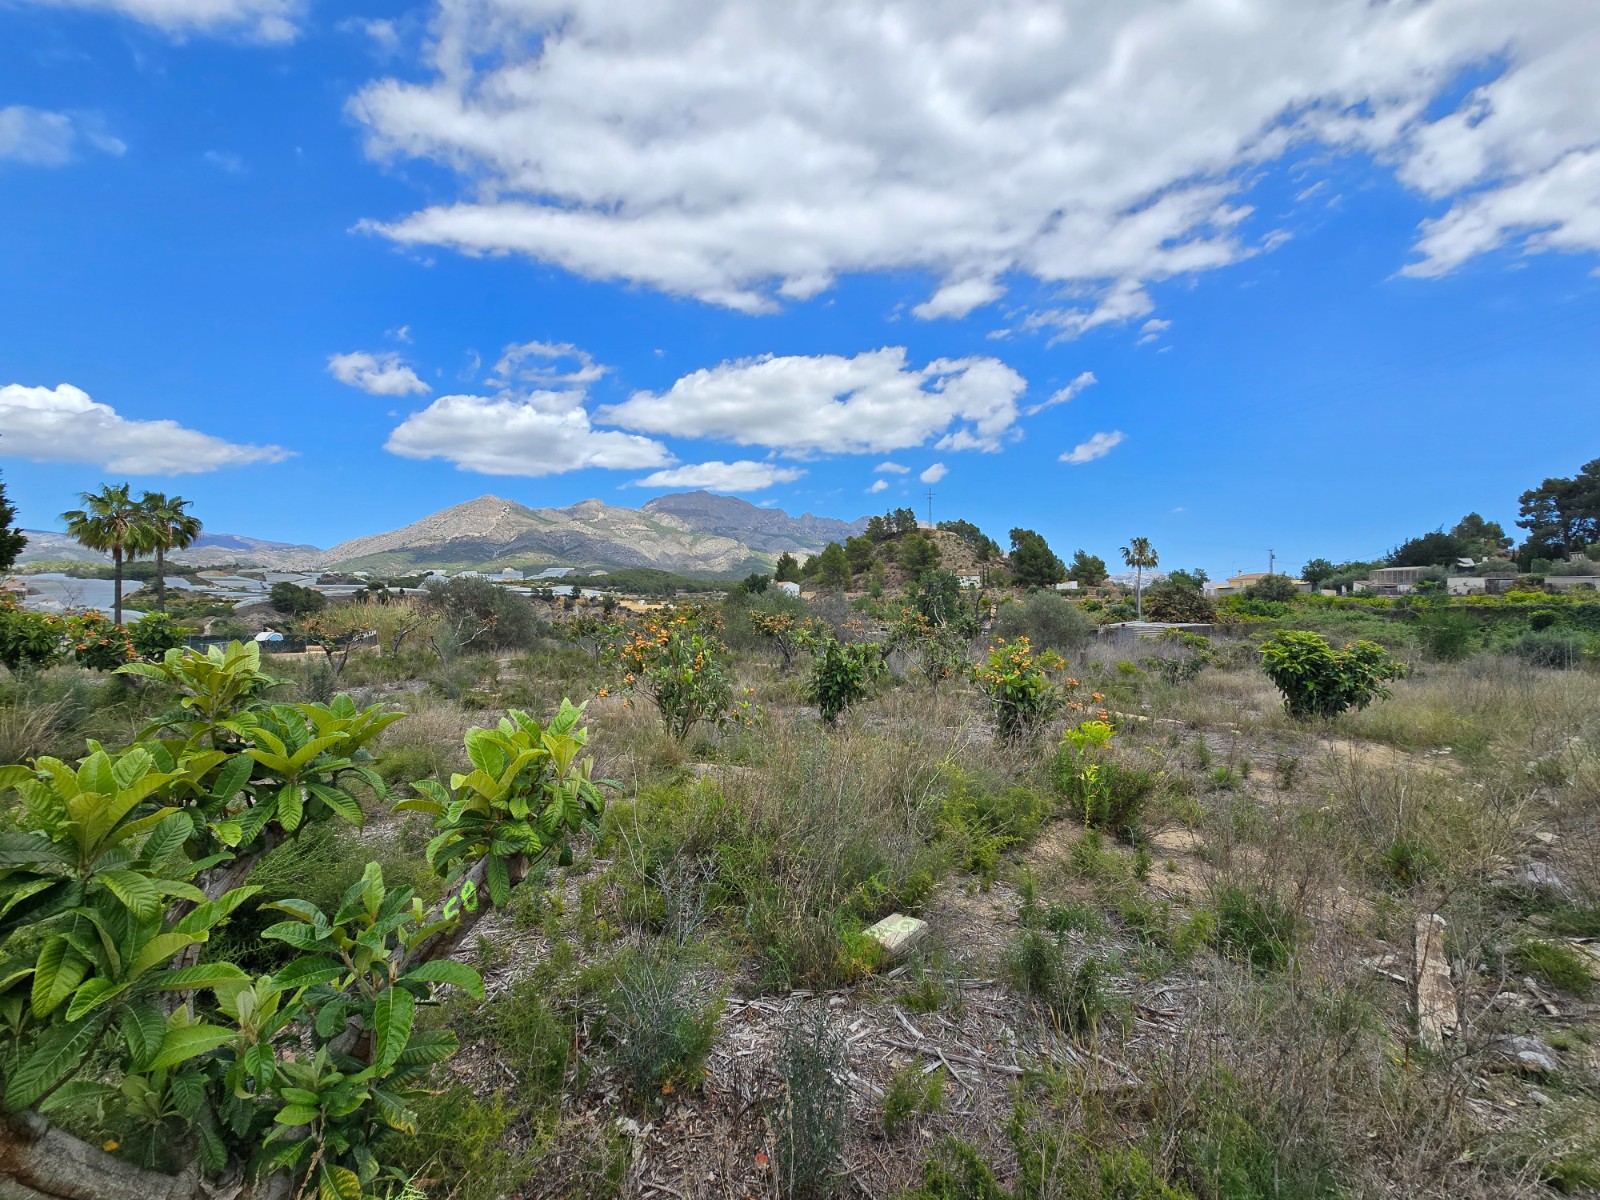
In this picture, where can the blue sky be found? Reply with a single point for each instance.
(1330, 268)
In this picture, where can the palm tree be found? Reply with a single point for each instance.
(1139, 554)
(172, 527)
(111, 521)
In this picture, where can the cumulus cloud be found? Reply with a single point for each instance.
(828, 404)
(1082, 380)
(722, 476)
(891, 468)
(546, 433)
(878, 485)
(62, 424)
(1100, 445)
(934, 473)
(263, 20)
(547, 364)
(49, 139)
(750, 158)
(384, 374)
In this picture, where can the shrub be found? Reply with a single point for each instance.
(1318, 681)
(1274, 589)
(1048, 620)
(1017, 683)
(481, 615)
(1103, 793)
(1171, 602)
(1255, 928)
(983, 822)
(1550, 648)
(1557, 964)
(96, 642)
(293, 600)
(1448, 636)
(910, 1093)
(153, 635)
(1542, 618)
(810, 1123)
(658, 1026)
(28, 640)
(1075, 997)
(843, 675)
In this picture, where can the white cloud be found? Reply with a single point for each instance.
(225, 160)
(1124, 301)
(49, 139)
(722, 476)
(959, 298)
(263, 20)
(878, 485)
(1100, 445)
(934, 473)
(891, 468)
(384, 374)
(545, 433)
(1152, 330)
(546, 364)
(1082, 380)
(745, 155)
(62, 424)
(828, 404)
(402, 334)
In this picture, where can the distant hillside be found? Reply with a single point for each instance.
(491, 532)
(767, 530)
(691, 533)
(212, 549)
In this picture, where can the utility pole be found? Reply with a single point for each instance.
(1272, 559)
(930, 508)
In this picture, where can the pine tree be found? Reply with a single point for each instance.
(12, 540)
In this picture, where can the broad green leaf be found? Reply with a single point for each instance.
(159, 949)
(184, 1042)
(201, 975)
(291, 807)
(392, 1016)
(134, 890)
(59, 1053)
(143, 1027)
(446, 970)
(56, 975)
(92, 995)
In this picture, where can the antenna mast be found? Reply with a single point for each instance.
(930, 508)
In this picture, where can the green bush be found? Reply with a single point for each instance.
(1255, 928)
(1551, 648)
(843, 675)
(911, 1092)
(1074, 996)
(1318, 681)
(1048, 620)
(28, 640)
(810, 1119)
(658, 1026)
(982, 822)
(1557, 964)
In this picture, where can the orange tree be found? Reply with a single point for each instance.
(1017, 681)
(786, 631)
(675, 659)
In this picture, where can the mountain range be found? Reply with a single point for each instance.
(688, 532)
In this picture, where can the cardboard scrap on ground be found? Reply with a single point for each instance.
(1436, 996)
(898, 934)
